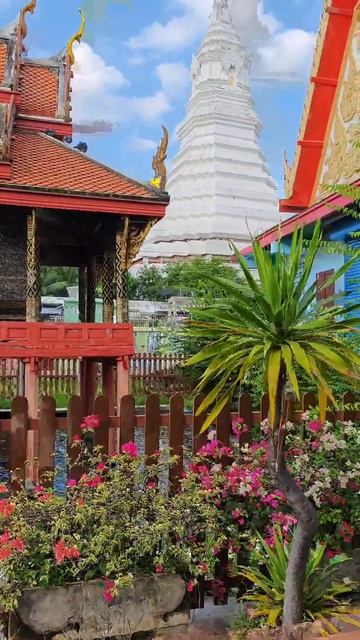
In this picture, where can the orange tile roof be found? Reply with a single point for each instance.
(3, 60)
(40, 161)
(39, 89)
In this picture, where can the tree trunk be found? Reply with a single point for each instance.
(307, 527)
(302, 508)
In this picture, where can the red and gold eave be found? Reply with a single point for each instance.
(330, 52)
(40, 170)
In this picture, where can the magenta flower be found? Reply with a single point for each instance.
(130, 449)
(71, 483)
(315, 426)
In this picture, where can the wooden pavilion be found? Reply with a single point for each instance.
(58, 207)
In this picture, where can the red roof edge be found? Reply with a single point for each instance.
(319, 104)
(318, 211)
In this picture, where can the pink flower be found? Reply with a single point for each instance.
(77, 439)
(90, 424)
(315, 445)
(159, 568)
(347, 532)
(38, 488)
(3, 488)
(130, 449)
(190, 586)
(71, 483)
(6, 508)
(101, 467)
(109, 590)
(64, 552)
(151, 485)
(94, 482)
(315, 426)
(203, 568)
(18, 545)
(239, 427)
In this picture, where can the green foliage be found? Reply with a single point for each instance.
(114, 523)
(267, 325)
(323, 597)
(55, 280)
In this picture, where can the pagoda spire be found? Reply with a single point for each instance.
(221, 11)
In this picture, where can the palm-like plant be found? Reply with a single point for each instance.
(324, 597)
(268, 324)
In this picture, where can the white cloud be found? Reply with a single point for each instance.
(97, 92)
(174, 78)
(136, 143)
(279, 53)
(287, 55)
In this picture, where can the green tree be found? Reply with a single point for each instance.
(150, 284)
(192, 278)
(268, 325)
(55, 280)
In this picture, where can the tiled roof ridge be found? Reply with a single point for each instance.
(137, 183)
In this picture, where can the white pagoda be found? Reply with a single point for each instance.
(220, 186)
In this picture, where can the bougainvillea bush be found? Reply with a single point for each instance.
(324, 458)
(113, 524)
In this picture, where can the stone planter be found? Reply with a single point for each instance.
(79, 611)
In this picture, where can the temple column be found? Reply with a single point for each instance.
(33, 276)
(33, 305)
(82, 292)
(108, 370)
(91, 291)
(107, 287)
(121, 273)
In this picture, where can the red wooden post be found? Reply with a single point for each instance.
(289, 407)
(309, 400)
(176, 437)
(264, 406)
(47, 432)
(246, 413)
(152, 424)
(32, 457)
(223, 425)
(349, 413)
(198, 439)
(32, 373)
(74, 419)
(127, 420)
(122, 380)
(108, 373)
(19, 422)
(101, 436)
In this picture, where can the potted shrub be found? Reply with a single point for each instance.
(111, 556)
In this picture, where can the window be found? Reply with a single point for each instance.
(328, 292)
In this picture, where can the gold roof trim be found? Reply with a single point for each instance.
(29, 8)
(290, 173)
(75, 38)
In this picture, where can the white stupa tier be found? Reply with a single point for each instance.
(219, 184)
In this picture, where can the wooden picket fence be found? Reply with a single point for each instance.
(27, 445)
(149, 372)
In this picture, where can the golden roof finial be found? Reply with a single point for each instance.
(29, 8)
(159, 166)
(76, 38)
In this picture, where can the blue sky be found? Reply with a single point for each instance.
(132, 69)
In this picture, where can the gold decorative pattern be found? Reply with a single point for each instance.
(128, 244)
(75, 38)
(121, 273)
(29, 8)
(159, 166)
(288, 177)
(107, 286)
(33, 284)
(82, 293)
(306, 111)
(343, 155)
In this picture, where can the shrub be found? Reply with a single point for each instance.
(114, 523)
